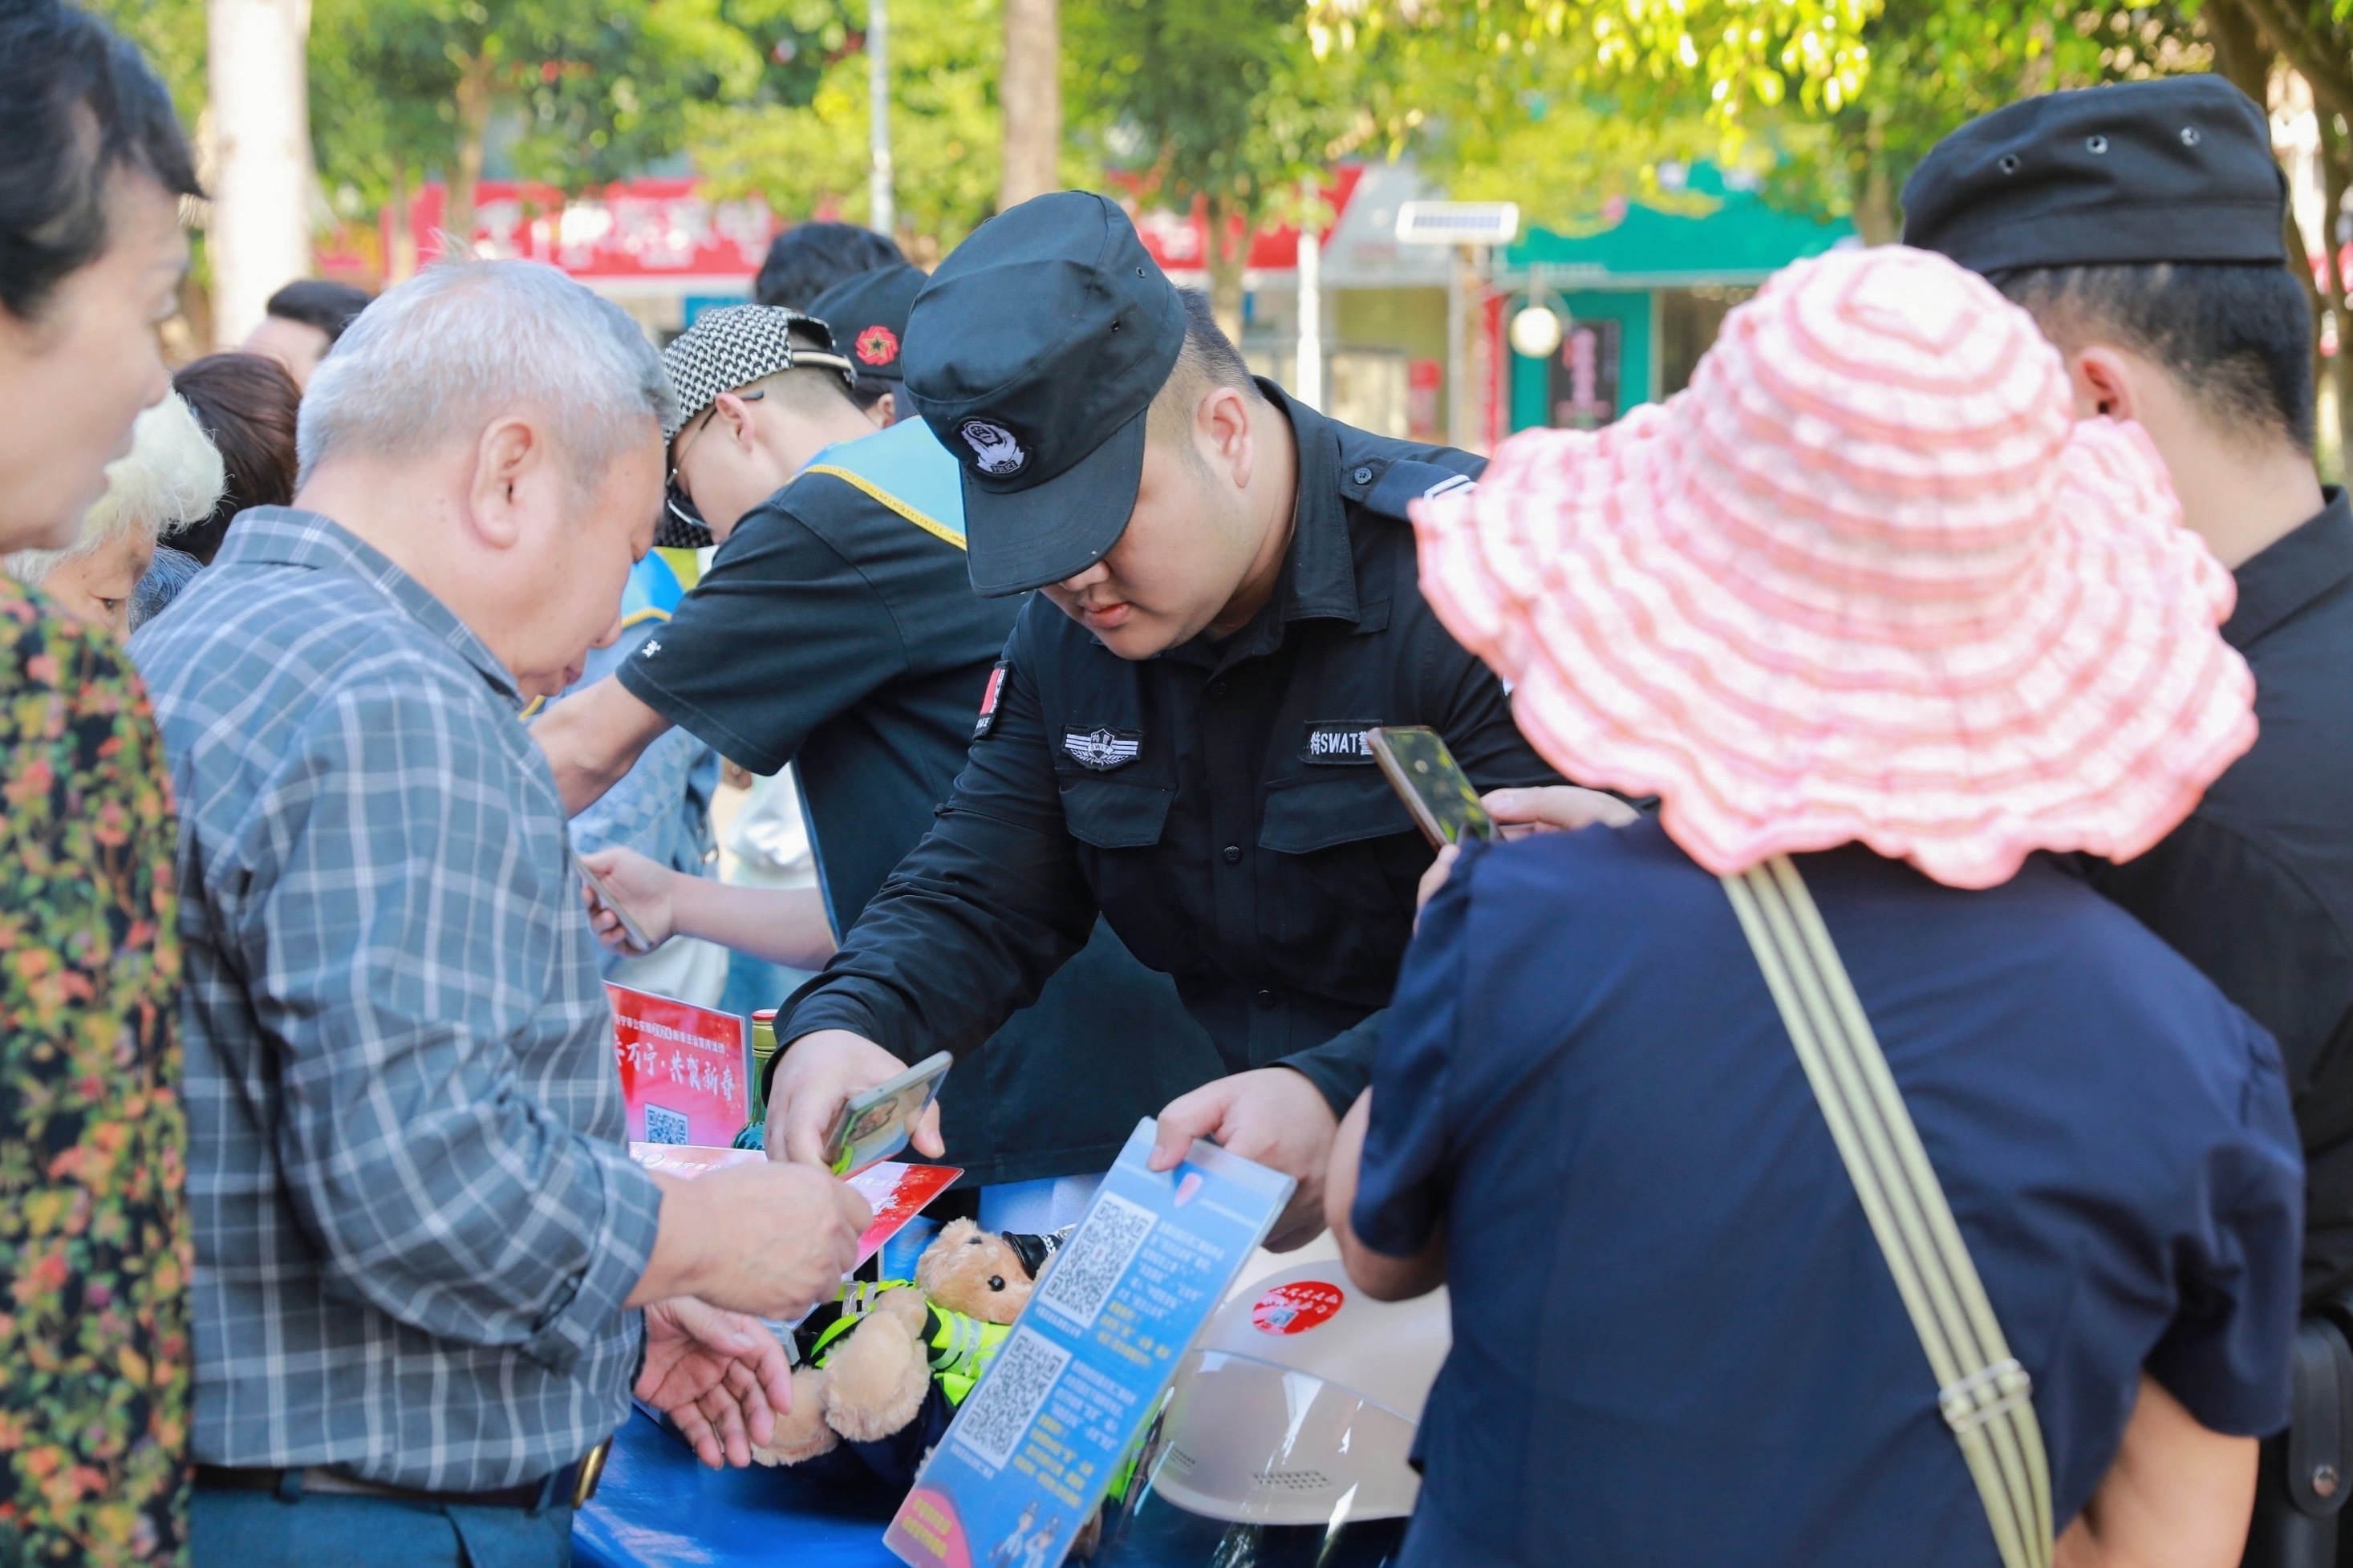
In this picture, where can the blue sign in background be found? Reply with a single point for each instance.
(1036, 1445)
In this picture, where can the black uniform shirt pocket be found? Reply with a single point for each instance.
(1337, 895)
(1111, 814)
(1319, 812)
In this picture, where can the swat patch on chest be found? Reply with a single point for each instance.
(989, 700)
(1333, 742)
(1104, 750)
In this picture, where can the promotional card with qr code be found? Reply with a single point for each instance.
(1034, 1446)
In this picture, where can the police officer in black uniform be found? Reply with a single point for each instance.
(837, 631)
(2141, 225)
(1227, 598)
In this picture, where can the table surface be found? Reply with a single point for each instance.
(657, 1507)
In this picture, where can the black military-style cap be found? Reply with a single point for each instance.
(1033, 353)
(2174, 170)
(868, 313)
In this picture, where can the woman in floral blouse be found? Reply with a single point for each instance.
(94, 1253)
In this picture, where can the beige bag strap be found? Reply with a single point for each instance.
(1986, 1396)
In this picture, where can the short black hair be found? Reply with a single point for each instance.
(316, 302)
(1208, 359)
(2238, 338)
(76, 104)
(808, 258)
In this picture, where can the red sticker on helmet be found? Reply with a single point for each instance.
(878, 344)
(1295, 1307)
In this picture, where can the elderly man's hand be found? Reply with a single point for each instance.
(721, 1376)
(1274, 1116)
(768, 1239)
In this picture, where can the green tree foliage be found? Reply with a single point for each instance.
(802, 144)
(1218, 100)
(170, 34)
(1727, 57)
(403, 87)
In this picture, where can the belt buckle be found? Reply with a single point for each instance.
(591, 1470)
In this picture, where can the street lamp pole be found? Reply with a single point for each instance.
(882, 214)
(1309, 372)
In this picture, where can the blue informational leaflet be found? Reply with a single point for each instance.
(1036, 1445)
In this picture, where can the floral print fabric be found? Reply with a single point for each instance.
(94, 1249)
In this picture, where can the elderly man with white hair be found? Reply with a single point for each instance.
(421, 1245)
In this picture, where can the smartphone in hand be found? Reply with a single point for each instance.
(1435, 789)
(635, 933)
(872, 1126)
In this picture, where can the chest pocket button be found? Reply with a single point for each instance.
(1265, 1000)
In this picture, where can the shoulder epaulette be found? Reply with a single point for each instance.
(1396, 485)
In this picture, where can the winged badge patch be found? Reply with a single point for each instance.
(1104, 750)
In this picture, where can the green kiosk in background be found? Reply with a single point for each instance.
(1641, 296)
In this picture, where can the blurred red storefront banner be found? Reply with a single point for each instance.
(652, 229)
(664, 232)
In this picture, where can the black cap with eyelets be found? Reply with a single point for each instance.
(1034, 352)
(2174, 170)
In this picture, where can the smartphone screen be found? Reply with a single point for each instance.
(1443, 801)
(872, 1126)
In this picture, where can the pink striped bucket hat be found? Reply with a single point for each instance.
(1867, 580)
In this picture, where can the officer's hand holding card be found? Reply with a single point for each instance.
(815, 1077)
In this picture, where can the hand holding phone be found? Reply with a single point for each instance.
(874, 1125)
(638, 940)
(1443, 801)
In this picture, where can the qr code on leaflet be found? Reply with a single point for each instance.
(1009, 1397)
(1081, 1280)
(664, 1125)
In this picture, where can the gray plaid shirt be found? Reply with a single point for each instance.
(416, 1218)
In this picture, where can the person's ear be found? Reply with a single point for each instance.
(1223, 423)
(885, 411)
(735, 419)
(509, 457)
(2105, 383)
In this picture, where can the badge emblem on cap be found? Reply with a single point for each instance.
(994, 448)
(878, 344)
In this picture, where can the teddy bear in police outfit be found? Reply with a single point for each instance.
(880, 1382)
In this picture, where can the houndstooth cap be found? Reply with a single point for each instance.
(736, 346)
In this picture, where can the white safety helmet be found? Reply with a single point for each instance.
(1298, 1404)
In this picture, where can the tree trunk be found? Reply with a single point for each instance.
(2336, 173)
(1228, 256)
(259, 236)
(1030, 92)
(2242, 55)
(400, 256)
(473, 131)
(2316, 49)
(1875, 217)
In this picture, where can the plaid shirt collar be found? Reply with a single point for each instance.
(288, 536)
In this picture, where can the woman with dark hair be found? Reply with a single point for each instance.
(246, 404)
(94, 1245)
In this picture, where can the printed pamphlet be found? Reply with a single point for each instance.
(1037, 1445)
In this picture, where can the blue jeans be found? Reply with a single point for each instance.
(262, 1530)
